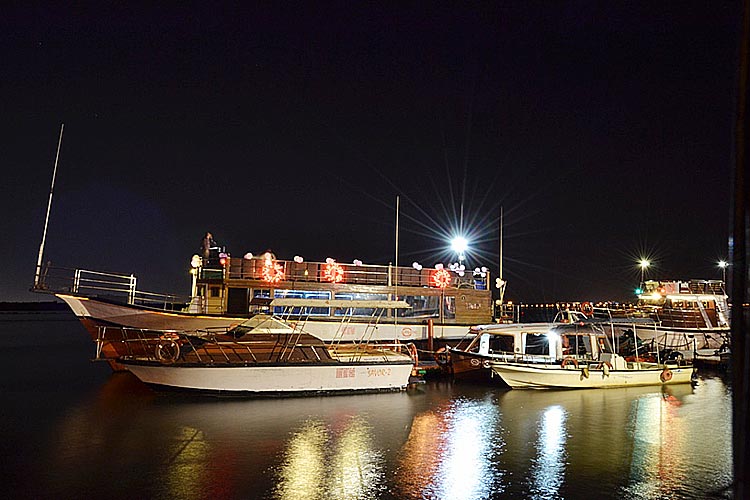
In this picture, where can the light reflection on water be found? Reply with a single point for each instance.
(73, 430)
(450, 452)
(548, 468)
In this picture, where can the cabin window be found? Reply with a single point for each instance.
(422, 306)
(449, 308)
(360, 311)
(578, 345)
(215, 291)
(302, 294)
(502, 343)
(537, 344)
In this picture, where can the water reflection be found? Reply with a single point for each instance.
(665, 432)
(450, 452)
(447, 441)
(548, 469)
(303, 472)
(322, 463)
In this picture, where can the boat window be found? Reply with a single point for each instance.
(537, 344)
(502, 343)
(359, 311)
(422, 306)
(449, 307)
(578, 344)
(302, 294)
(215, 291)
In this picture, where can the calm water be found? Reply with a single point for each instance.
(72, 429)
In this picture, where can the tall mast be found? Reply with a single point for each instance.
(49, 207)
(398, 201)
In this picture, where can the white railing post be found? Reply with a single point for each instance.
(131, 290)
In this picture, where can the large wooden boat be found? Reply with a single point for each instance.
(261, 356)
(333, 301)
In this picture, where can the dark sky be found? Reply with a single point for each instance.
(603, 129)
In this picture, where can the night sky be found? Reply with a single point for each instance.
(604, 130)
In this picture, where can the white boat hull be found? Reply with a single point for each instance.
(331, 377)
(107, 313)
(525, 376)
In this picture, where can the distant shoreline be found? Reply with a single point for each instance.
(33, 306)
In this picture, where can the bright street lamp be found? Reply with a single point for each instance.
(459, 245)
(644, 264)
(723, 265)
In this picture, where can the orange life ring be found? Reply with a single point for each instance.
(587, 308)
(666, 375)
(567, 361)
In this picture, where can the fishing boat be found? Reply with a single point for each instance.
(470, 360)
(587, 357)
(262, 356)
(691, 318)
(611, 370)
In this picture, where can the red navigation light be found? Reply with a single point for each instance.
(441, 278)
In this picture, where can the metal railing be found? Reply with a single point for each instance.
(366, 274)
(117, 287)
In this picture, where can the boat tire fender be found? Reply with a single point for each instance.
(585, 372)
(666, 375)
(605, 367)
(441, 356)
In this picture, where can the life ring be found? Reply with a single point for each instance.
(407, 332)
(167, 351)
(567, 361)
(486, 363)
(475, 362)
(666, 375)
(587, 308)
(441, 356)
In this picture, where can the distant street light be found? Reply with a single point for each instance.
(644, 264)
(723, 265)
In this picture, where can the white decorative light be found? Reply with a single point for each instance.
(298, 259)
(247, 256)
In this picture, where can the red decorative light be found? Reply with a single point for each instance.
(333, 272)
(441, 278)
(272, 271)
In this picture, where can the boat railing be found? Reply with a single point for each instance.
(210, 347)
(111, 286)
(364, 274)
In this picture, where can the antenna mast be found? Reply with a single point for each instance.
(49, 207)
